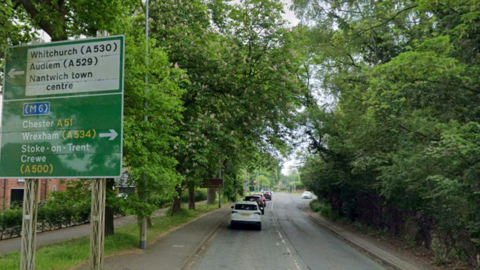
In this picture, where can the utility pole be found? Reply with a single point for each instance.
(143, 225)
(220, 177)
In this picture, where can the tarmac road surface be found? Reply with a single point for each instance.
(289, 240)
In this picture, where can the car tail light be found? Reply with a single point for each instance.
(259, 203)
(234, 212)
(257, 213)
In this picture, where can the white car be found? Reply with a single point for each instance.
(307, 195)
(246, 213)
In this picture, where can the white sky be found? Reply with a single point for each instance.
(291, 162)
(289, 15)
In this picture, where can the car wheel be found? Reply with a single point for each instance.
(232, 225)
(259, 227)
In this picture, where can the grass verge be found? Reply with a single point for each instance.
(68, 254)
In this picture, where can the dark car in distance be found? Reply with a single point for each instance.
(263, 198)
(257, 199)
(267, 194)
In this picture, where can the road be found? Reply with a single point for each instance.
(289, 240)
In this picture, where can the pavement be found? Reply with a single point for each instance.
(173, 251)
(388, 257)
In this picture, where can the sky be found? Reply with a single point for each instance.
(292, 161)
(289, 15)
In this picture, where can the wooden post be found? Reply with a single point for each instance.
(29, 225)
(97, 221)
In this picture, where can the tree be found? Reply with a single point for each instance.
(151, 111)
(404, 77)
(229, 105)
(64, 19)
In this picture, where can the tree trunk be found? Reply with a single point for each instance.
(109, 211)
(149, 222)
(211, 196)
(177, 204)
(191, 197)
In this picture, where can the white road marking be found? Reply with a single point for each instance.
(285, 243)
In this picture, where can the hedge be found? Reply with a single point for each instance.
(59, 213)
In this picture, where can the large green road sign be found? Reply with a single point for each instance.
(62, 110)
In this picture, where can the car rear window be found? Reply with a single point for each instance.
(246, 207)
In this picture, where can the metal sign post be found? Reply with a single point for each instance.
(29, 225)
(97, 220)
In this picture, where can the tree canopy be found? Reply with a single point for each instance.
(399, 144)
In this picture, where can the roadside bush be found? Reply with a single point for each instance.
(159, 201)
(200, 195)
(82, 212)
(62, 210)
(11, 222)
(323, 209)
(50, 216)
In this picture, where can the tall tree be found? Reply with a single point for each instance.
(404, 77)
(242, 72)
(64, 19)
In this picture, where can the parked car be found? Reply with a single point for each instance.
(263, 199)
(258, 200)
(307, 195)
(267, 194)
(246, 213)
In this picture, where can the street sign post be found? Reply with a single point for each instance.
(63, 110)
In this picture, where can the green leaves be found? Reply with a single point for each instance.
(404, 127)
(150, 116)
(241, 85)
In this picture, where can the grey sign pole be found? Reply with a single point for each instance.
(144, 222)
(29, 225)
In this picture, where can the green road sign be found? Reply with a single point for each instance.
(63, 110)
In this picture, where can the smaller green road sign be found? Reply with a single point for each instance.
(63, 110)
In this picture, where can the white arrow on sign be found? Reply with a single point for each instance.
(12, 73)
(112, 134)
